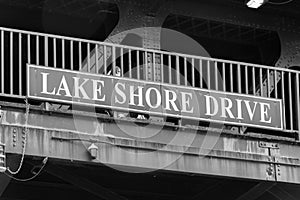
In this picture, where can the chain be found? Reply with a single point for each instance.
(24, 142)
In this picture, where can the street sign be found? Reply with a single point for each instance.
(155, 98)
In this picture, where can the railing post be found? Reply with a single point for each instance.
(2, 61)
(96, 59)
(290, 100)
(239, 78)
(298, 104)
(71, 54)
(130, 63)
(224, 77)
(63, 53)
(37, 40)
(88, 57)
(11, 71)
(246, 80)
(79, 56)
(177, 71)
(104, 60)
(261, 82)
(20, 64)
(138, 64)
(46, 50)
(201, 72)
(216, 76)
(114, 61)
(54, 52)
(170, 69)
(283, 99)
(231, 78)
(193, 72)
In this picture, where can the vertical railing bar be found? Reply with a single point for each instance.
(291, 101)
(239, 78)
(63, 53)
(153, 64)
(79, 56)
(193, 72)
(104, 60)
(231, 78)
(268, 83)
(177, 71)
(28, 49)
(71, 54)
(200, 72)
(170, 69)
(96, 59)
(130, 63)
(261, 82)
(88, 57)
(298, 101)
(20, 64)
(208, 74)
(11, 63)
(46, 50)
(224, 77)
(185, 71)
(216, 75)
(122, 61)
(275, 84)
(37, 49)
(283, 98)
(246, 80)
(253, 80)
(146, 66)
(114, 60)
(2, 61)
(54, 52)
(138, 64)
(162, 67)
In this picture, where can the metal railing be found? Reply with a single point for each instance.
(21, 47)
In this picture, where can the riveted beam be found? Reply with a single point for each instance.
(233, 155)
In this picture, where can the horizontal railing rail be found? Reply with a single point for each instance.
(18, 48)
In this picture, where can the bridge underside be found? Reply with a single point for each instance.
(73, 180)
(170, 162)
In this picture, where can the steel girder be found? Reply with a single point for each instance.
(56, 135)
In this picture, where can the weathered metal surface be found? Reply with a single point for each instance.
(231, 155)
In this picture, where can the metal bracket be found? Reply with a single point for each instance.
(277, 168)
(270, 172)
(273, 169)
(268, 145)
(15, 137)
